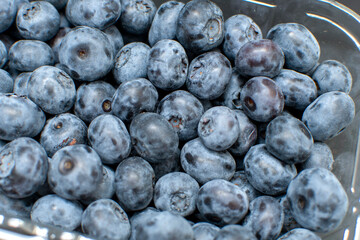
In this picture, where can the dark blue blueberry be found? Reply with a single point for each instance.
(289, 220)
(317, 200)
(208, 75)
(262, 99)
(266, 173)
(55, 42)
(164, 23)
(183, 111)
(8, 11)
(171, 164)
(320, 156)
(332, 75)
(176, 192)
(218, 128)
(93, 99)
(235, 232)
(239, 29)
(140, 218)
(299, 234)
(115, 38)
(64, 22)
(105, 219)
(337, 110)
(153, 137)
(93, 13)
(23, 167)
(109, 137)
(240, 180)
(3, 54)
(221, 202)
(2, 143)
(134, 97)
(59, 4)
(13, 207)
(63, 130)
(131, 62)
(204, 164)
(205, 231)
(52, 89)
(19, 117)
(75, 172)
(86, 53)
(6, 82)
(56, 211)
(38, 20)
(27, 55)
(299, 89)
(300, 47)
(168, 65)
(200, 26)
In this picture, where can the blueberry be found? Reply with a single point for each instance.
(164, 23)
(134, 97)
(86, 53)
(55, 42)
(168, 65)
(337, 110)
(289, 220)
(240, 180)
(13, 207)
(208, 75)
(205, 231)
(266, 173)
(298, 234)
(261, 99)
(221, 202)
(38, 20)
(200, 26)
(23, 167)
(27, 55)
(75, 172)
(19, 117)
(93, 13)
(56, 211)
(115, 38)
(59, 4)
(131, 62)
(105, 219)
(233, 232)
(332, 75)
(320, 156)
(8, 11)
(3, 54)
(171, 164)
(153, 137)
(6, 82)
(2, 144)
(239, 29)
(317, 200)
(204, 164)
(140, 218)
(109, 137)
(300, 47)
(183, 111)
(63, 130)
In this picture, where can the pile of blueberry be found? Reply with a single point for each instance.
(182, 126)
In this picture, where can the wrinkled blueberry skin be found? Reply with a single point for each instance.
(140, 218)
(204, 164)
(171, 164)
(105, 219)
(131, 62)
(183, 111)
(153, 137)
(55, 42)
(289, 220)
(109, 137)
(218, 128)
(320, 156)
(63, 130)
(23, 167)
(8, 11)
(93, 99)
(38, 20)
(115, 38)
(200, 26)
(299, 89)
(16, 207)
(205, 231)
(239, 29)
(300, 47)
(208, 75)
(288, 139)
(6, 82)
(19, 117)
(299, 233)
(134, 97)
(86, 53)
(52, 89)
(20, 83)
(221, 202)
(233, 232)
(317, 200)
(164, 23)
(240, 180)
(3, 54)
(332, 75)
(136, 16)
(266, 173)
(266, 217)
(75, 172)
(134, 183)
(261, 99)
(337, 110)
(56, 211)
(27, 55)
(93, 13)
(176, 192)
(168, 65)
(259, 58)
